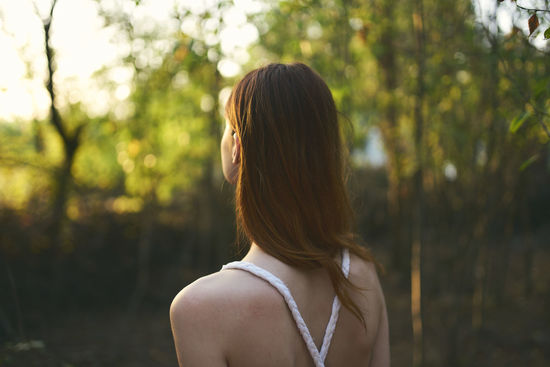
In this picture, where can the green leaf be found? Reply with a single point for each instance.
(547, 33)
(529, 162)
(518, 121)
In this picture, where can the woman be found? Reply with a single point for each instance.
(281, 305)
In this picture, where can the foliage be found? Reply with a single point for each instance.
(147, 174)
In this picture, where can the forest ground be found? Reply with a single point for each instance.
(516, 331)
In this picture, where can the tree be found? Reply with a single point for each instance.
(70, 138)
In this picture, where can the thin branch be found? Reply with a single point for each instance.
(544, 127)
(522, 92)
(55, 118)
(539, 111)
(532, 9)
(519, 90)
(16, 162)
(541, 123)
(37, 11)
(52, 8)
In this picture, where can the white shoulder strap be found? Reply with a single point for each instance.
(318, 357)
(331, 326)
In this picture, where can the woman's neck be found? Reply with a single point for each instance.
(255, 252)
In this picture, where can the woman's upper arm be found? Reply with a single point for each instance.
(196, 329)
(381, 349)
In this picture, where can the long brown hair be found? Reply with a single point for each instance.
(291, 197)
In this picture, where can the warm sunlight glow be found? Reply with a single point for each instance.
(84, 45)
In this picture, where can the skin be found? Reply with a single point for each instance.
(230, 148)
(232, 318)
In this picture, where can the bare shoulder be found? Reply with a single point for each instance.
(194, 313)
(369, 294)
(202, 297)
(208, 314)
(221, 301)
(215, 296)
(364, 274)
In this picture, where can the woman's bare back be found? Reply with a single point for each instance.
(237, 319)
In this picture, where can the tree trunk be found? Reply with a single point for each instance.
(63, 179)
(143, 258)
(70, 141)
(417, 234)
(487, 194)
(390, 133)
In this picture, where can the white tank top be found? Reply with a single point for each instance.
(318, 356)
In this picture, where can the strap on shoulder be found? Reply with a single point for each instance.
(318, 356)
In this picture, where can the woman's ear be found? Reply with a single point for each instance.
(236, 151)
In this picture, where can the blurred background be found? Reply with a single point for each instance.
(112, 197)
